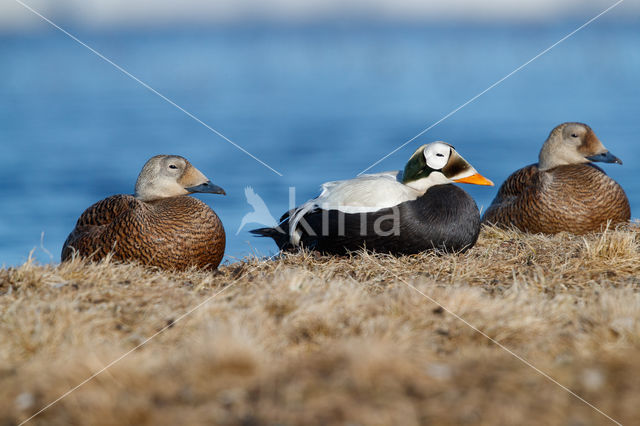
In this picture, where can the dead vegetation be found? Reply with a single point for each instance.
(305, 339)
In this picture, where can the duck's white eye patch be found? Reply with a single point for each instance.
(437, 155)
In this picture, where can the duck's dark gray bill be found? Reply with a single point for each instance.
(207, 187)
(605, 157)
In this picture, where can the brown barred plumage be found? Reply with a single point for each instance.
(160, 226)
(563, 191)
(577, 198)
(171, 233)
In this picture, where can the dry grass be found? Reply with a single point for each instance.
(318, 340)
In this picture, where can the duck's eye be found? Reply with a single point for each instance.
(173, 166)
(439, 155)
(573, 135)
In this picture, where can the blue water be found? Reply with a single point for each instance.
(316, 103)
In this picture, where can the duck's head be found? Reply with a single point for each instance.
(573, 143)
(439, 163)
(166, 176)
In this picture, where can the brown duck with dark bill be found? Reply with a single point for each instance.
(564, 191)
(159, 225)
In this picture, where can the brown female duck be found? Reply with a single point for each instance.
(159, 225)
(563, 191)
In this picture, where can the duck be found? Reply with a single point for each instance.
(159, 225)
(400, 212)
(564, 190)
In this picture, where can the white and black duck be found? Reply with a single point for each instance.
(396, 212)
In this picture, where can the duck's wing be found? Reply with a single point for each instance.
(86, 236)
(105, 211)
(512, 189)
(364, 193)
(518, 182)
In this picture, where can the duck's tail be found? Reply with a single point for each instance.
(279, 235)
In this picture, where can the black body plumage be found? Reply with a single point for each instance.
(445, 218)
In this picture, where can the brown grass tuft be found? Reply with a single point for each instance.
(308, 339)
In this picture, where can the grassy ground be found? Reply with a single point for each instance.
(318, 340)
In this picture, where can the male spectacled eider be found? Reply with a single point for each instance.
(159, 225)
(394, 212)
(563, 191)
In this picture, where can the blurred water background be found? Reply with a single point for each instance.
(317, 101)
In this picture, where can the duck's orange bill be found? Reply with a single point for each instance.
(476, 179)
